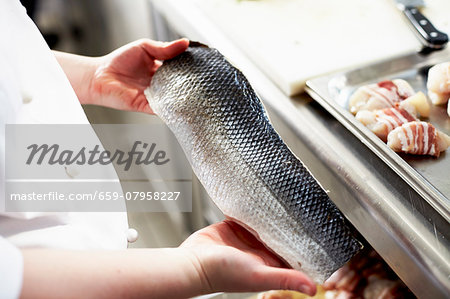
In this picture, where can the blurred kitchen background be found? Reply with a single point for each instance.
(95, 28)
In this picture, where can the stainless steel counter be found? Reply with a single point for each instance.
(406, 231)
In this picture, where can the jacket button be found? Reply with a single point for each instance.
(132, 235)
(26, 96)
(71, 171)
(26, 99)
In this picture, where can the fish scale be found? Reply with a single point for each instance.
(245, 167)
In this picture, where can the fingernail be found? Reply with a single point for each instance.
(311, 291)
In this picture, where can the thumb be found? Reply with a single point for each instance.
(271, 278)
(162, 50)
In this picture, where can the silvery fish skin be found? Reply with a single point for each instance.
(245, 167)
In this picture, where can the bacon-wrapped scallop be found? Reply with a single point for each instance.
(418, 138)
(381, 95)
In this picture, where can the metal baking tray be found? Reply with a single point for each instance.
(429, 176)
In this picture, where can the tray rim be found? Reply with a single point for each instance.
(314, 87)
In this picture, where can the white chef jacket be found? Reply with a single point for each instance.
(34, 89)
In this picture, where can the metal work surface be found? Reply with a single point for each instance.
(425, 174)
(403, 228)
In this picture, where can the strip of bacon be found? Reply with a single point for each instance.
(393, 117)
(383, 121)
(389, 85)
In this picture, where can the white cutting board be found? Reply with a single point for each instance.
(295, 40)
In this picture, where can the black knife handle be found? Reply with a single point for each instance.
(430, 36)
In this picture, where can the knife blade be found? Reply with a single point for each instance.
(424, 29)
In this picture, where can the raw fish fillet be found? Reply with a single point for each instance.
(246, 168)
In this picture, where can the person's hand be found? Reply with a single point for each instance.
(122, 76)
(118, 80)
(220, 257)
(229, 258)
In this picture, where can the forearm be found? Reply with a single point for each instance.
(150, 273)
(80, 71)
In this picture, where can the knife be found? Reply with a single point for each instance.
(427, 33)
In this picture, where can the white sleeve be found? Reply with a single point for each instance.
(11, 270)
